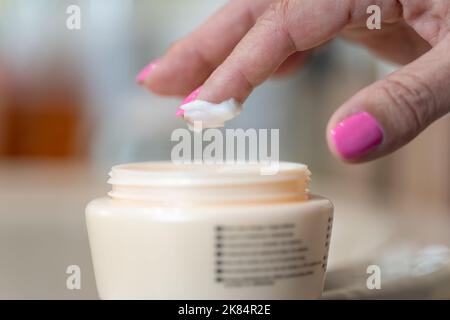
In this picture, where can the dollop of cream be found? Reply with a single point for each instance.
(210, 115)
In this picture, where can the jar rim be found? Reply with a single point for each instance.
(166, 182)
(166, 173)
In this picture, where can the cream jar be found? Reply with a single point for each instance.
(195, 231)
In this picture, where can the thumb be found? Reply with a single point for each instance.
(391, 112)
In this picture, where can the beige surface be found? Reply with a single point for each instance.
(42, 230)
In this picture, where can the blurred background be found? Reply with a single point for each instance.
(70, 108)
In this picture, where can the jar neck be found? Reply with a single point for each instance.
(166, 183)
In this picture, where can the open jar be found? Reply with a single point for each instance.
(193, 231)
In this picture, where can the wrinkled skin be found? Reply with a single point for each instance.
(248, 41)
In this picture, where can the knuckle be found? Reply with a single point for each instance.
(284, 7)
(429, 17)
(412, 98)
(277, 13)
(277, 17)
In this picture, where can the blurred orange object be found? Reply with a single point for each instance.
(41, 119)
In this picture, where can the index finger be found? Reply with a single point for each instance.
(190, 61)
(286, 27)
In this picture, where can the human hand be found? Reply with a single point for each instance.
(247, 41)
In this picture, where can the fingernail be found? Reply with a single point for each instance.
(179, 112)
(357, 135)
(191, 97)
(143, 74)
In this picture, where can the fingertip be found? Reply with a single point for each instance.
(225, 83)
(189, 98)
(156, 78)
(355, 137)
(179, 113)
(192, 96)
(144, 74)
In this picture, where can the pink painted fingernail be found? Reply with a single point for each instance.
(179, 112)
(191, 97)
(143, 74)
(357, 135)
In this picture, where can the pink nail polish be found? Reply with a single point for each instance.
(357, 135)
(179, 112)
(143, 74)
(191, 97)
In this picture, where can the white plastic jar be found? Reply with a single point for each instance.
(171, 231)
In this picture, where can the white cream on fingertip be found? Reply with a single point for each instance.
(210, 115)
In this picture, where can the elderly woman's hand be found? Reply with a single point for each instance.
(249, 40)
